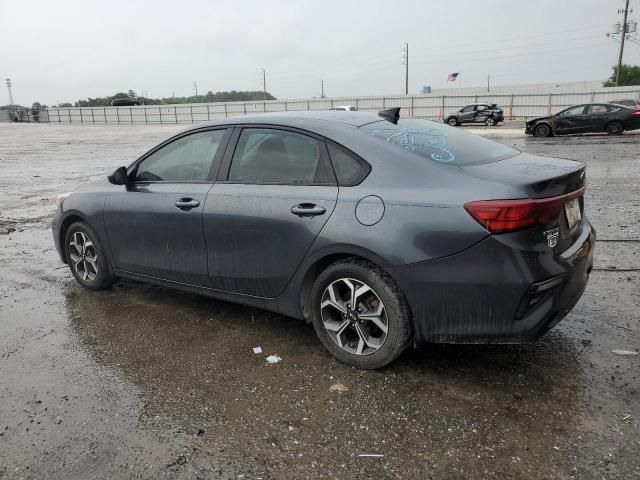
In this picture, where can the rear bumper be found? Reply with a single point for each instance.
(632, 124)
(496, 291)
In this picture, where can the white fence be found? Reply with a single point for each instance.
(516, 107)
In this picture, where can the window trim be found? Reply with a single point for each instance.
(225, 168)
(132, 169)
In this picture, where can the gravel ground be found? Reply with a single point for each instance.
(145, 382)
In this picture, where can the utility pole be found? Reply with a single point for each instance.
(624, 34)
(8, 80)
(195, 88)
(264, 84)
(322, 89)
(405, 62)
(488, 80)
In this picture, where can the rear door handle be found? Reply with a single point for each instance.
(307, 210)
(187, 203)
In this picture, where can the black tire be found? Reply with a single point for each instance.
(542, 130)
(615, 128)
(453, 121)
(92, 270)
(490, 122)
(397, 314)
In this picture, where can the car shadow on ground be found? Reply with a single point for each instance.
(190, 359)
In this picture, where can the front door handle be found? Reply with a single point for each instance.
(187, 203)
(307, 210)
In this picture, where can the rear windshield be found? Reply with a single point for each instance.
(439, 142)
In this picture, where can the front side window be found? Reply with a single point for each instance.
(439, 142)
(468, 109)
(266, 155)
(187, 159)
(572, 111)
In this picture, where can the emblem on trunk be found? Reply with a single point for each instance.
(552, 236)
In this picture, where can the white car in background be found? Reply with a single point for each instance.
(345, 108)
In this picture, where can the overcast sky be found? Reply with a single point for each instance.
(62, 50)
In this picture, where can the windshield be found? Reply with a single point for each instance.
(439, 142)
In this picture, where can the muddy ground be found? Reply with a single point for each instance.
(144, 382)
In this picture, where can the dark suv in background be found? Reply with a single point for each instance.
(488, 113)
(125, 102)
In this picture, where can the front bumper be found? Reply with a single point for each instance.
(56, 223)
(489, 292)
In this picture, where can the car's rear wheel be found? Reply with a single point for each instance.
(86, 257)
(360, 315)
(453, 121)
(542, 130)
(490, 121)
(615, 128)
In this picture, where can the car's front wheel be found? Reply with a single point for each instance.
(86, 257)
(360, 315)
(453, 121)
(542, 130)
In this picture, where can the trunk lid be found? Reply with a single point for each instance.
(539, 178)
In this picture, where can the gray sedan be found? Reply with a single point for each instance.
(381, 232)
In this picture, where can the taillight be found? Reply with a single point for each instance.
(501, 216)
(635, 112)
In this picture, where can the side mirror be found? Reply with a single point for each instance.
(119, 177)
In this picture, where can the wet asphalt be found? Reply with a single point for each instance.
(144, 382)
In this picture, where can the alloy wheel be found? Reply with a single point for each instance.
(83, 256)
(354, 316)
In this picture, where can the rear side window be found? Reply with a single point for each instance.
(349, 170)
(265, 155)
(439, 142)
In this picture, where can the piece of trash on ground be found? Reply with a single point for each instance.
(371, 455)
(257, 350)
(273, 359)
(338, 387)
(624, 352)
(626, 417)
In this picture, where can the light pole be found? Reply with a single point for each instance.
(624, 34)
(8, 81)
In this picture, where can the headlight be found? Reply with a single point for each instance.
(61, 198)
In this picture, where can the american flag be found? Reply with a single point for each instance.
(452, 77)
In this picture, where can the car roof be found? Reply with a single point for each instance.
(293, 119)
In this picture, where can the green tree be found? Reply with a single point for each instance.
(210, 97)
(629, 75)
